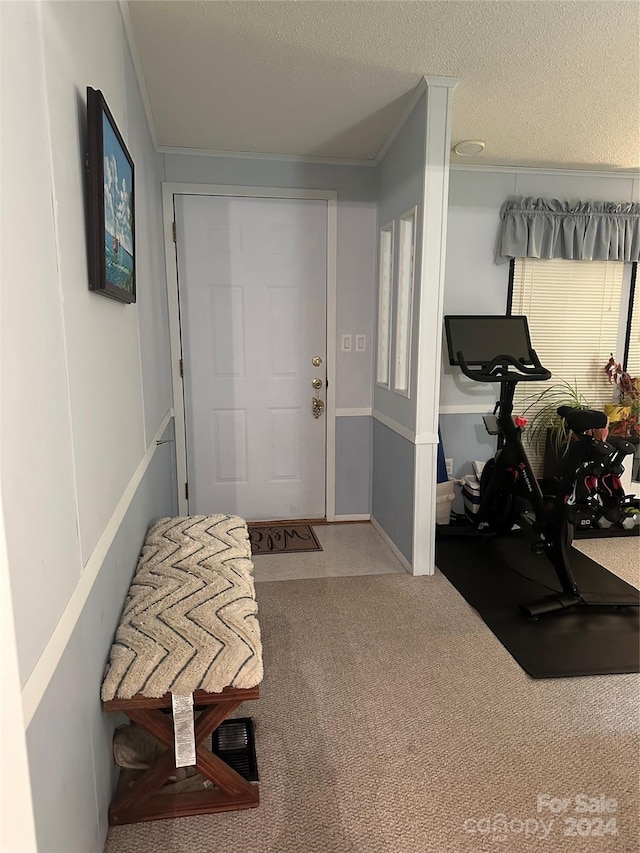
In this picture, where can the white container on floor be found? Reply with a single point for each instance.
(471, 495)
(444, 498)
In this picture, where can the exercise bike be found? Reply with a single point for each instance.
(498, 349)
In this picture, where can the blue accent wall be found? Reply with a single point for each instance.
(393, 486)
(353, 465)
(69, 740)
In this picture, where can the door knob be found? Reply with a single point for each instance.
(316, 361)
(317, 383)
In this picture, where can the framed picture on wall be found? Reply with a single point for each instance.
(110, 205)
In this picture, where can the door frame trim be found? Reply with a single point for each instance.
(169, 190)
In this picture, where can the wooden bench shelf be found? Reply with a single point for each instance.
(142, 800)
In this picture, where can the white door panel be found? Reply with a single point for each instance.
(252, 282)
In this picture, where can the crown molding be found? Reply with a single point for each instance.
(423, 85)
(249, 155)
(367, 164)
(137, 64)
(444, 82)
(546, 170)
(418, 92)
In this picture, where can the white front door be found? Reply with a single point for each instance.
(252, 285)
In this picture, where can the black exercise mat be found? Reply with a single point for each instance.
(580, 642)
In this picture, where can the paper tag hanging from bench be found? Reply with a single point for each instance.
(183, 730)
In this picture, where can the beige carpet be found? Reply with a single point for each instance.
(392, 721)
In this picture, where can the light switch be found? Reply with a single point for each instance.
(347, 343)
(361, 343)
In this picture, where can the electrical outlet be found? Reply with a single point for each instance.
(347, 343)
(361, 343)
(449, 466)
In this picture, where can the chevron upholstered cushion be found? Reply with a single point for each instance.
(190, 618)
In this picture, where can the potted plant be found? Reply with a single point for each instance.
(623, 412)
(547, 433)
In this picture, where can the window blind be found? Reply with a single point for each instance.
(573, 308)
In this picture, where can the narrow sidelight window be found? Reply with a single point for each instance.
(385, 292)
(406, 249)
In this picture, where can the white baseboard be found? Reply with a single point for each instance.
(366, 516)
(392, 545)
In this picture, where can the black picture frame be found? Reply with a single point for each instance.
(110, 205)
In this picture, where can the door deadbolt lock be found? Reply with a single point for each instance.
(317, 383)
(316, 361)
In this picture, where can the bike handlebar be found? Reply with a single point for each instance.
(497, 370)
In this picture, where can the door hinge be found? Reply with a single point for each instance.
(175, 235)
(182, 368)
(186, 491)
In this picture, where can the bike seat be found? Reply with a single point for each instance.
(580, 420)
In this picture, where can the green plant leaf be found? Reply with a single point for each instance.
(545, 417)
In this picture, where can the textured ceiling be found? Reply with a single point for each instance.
(543, 83)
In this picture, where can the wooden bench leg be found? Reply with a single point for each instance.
(143, 802)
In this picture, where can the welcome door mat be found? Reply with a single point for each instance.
(282, 538)
(496, 575)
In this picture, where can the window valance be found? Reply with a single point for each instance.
(579, 231)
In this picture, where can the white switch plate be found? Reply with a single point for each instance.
(361, 343)
(347, 343)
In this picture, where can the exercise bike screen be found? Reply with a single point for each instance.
(481, 339)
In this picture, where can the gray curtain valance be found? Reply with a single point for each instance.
(579, 231)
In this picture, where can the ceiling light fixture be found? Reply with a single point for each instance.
(469, 146)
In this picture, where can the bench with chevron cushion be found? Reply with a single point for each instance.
(189, 626)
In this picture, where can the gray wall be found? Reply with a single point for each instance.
(475, 284)
(464, 440)
(356, 253)
(401, 176)
(353, 465)
(70, 738)
(393, 482)
(85, 388)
